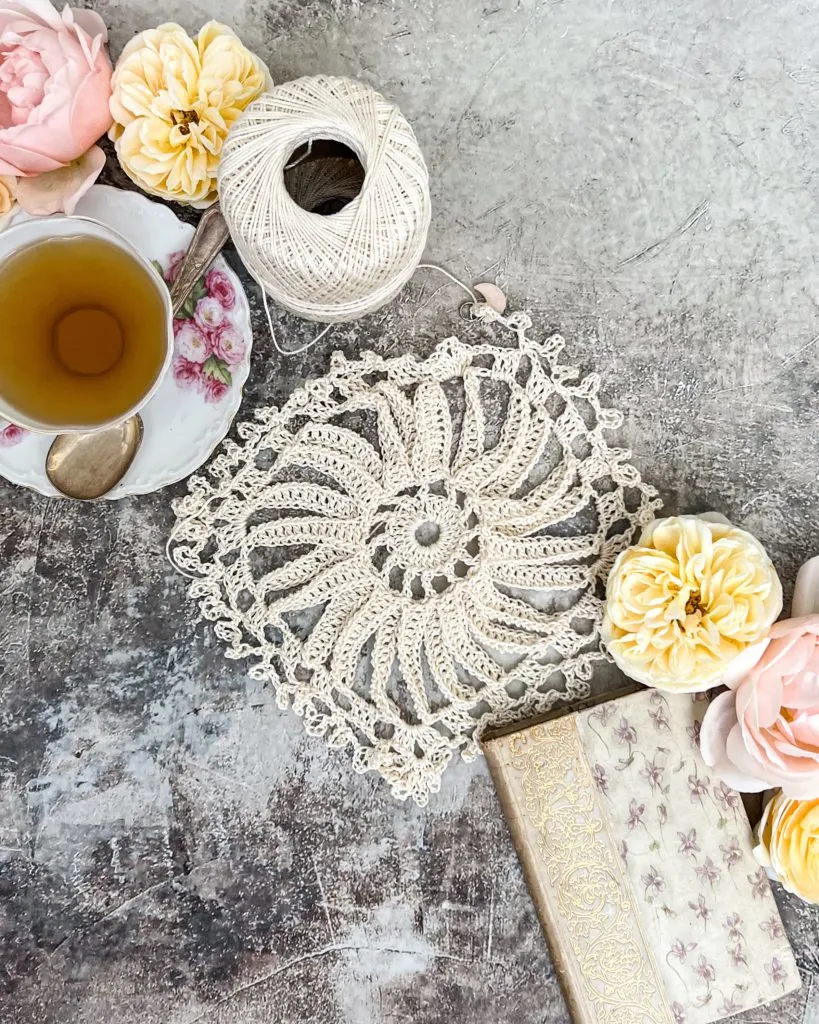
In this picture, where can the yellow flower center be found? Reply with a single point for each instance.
(184, 118)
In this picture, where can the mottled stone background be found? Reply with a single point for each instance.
(173, 849)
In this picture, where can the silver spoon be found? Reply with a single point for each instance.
(88, 465)
(206, 244)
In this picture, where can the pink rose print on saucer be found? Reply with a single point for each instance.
(10, 434)
(214, 389)
(187, 374)
(190, 342)
(208, 346)
(209, 314)
(219, 286)
(229, 345)
(174, 266)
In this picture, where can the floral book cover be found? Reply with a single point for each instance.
(641, 865)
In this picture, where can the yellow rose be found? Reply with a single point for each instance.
(690, 606)
(8, 193)
(173, 102)
(789, 844)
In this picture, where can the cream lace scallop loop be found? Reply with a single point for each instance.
(411, 550)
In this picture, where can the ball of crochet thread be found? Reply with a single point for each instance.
(338, 267)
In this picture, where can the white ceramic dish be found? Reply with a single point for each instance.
(198, 399)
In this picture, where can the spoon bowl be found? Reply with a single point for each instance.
(88, 465)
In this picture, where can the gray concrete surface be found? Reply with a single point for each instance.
(173, 849)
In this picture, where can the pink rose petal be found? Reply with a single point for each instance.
(759, 702)
(776, 739)
(720, 717)
(806, 591)
(743, 663)
(782, 636)
(802, 692)
(800, 654)
(743, 769)
(60, 191)
(798, 739)
(719, 723)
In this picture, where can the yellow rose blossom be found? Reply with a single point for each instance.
(174, 101)
(8, 192)
(689, 607)
(789, 844)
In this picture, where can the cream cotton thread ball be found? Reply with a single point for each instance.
(338, 267)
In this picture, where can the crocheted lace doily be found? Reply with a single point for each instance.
(412, 550)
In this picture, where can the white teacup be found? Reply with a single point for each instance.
(41, 387)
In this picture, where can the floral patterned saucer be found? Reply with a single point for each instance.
(195, 405)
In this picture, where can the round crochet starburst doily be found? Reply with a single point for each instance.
(412, 550)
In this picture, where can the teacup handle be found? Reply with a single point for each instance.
(208, 240)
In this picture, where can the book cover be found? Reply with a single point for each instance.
(641, 865)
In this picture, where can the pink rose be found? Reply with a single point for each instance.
(187, 374)
(11, 434)
(55, 83)
(209, 314)
(215, 389)
(765, 733)
(174, 266)
(229, 345)
(219, 287)
(191, 343)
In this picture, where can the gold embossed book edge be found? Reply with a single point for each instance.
(584, 902)
(493, 749)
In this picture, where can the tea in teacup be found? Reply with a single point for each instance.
(83, 332)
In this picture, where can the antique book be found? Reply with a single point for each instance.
(641, 865)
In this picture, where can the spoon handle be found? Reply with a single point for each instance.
(209, 238)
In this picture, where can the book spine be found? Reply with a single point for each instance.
(512, 812)
(572, 866)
